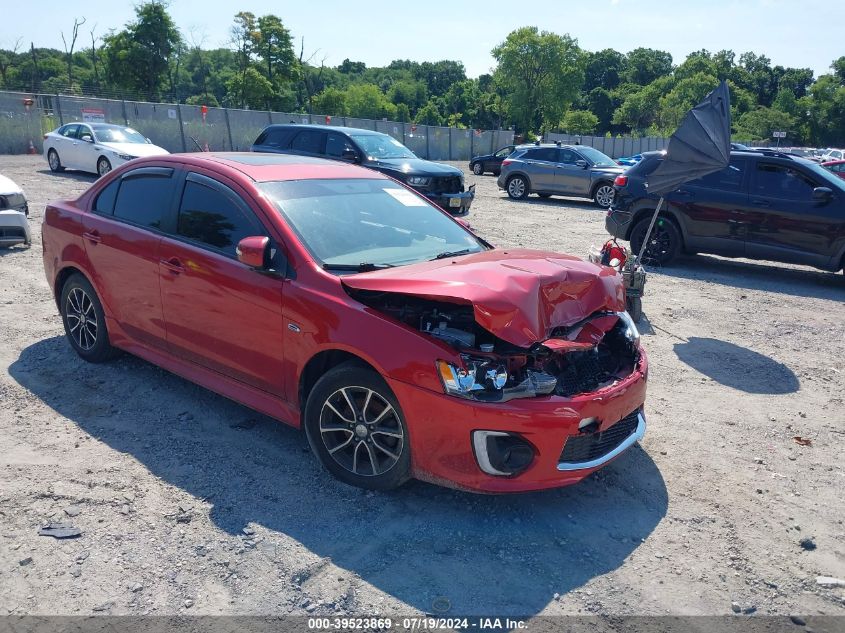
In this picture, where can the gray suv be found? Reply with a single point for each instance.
(567, 170)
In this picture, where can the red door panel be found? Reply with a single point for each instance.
(222, 315)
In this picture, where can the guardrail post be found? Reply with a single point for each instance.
(229, 129)
(181, 128)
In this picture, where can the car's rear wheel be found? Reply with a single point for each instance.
(603, 195)
(517, 187)
(84, 320)
(54, 161)
(103, 166)
(664, 243)
(356, 428)
(478, 169)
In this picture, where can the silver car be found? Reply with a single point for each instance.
(566, 170)
(14, 226)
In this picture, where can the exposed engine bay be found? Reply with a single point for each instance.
(584, 357)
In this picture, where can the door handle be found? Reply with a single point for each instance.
(173, 264)
(93, 236)
(761, 203)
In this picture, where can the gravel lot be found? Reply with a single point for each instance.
(189, 503)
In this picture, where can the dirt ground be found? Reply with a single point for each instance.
(189, 503)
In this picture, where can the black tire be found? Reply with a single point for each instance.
(634, 305)
(545, 195)
(88, 336)
(355, 450)
(54, 161)
(603, 195)
(103, 166)
(478, 169)
(517, 187)
(664, 243)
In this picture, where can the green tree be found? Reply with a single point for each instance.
(580, 122)
(366, 101)
(331, 101)
(275, 48)
(645, 65)
(603, 69)
(760, 123)
(139, 56)
(541, 73)
(250, 89)
(429, 115)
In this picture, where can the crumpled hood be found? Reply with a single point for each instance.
(136, 149)
(519, 295)
(8, 186)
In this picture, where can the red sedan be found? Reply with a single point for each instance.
(333, 298)
(836, 166)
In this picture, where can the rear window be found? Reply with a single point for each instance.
(277, 138)
(728, 179)
(542, 153)
(144, 199)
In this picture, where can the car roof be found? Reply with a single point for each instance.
(555, 145)
(333, 128)
(270, 167)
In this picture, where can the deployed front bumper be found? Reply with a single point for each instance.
(441, 429)
(455, 203)
(14, 228)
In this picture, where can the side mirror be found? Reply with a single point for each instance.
(254, 251)
(349, 155)
(87, 138)
(822, 193)
(581, 163)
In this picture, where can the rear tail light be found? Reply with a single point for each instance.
(621, 180)
(506, 162)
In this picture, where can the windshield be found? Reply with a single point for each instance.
(382, 146)
(118, 135)
(830, 177)
(358, 222)
(596, 157)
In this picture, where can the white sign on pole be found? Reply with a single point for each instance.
(778, 134)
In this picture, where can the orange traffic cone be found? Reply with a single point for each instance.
(31, 149)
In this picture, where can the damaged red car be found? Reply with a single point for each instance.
(335, 299)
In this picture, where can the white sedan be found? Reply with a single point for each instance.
(14, 227)
(95, 147)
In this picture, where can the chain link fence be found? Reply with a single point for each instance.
(25, 118)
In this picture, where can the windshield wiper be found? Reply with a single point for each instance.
(358, 268)
(465, 251)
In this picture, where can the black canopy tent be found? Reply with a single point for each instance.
(701, 145)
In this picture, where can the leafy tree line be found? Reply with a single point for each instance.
(542, 81)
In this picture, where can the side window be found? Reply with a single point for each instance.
(336, 144)
(504, 152)
(144, 198)
(278, 138)
(310, 141)
(542, 153)
(69, 131)
(104, 204)
(211, 217)
(569, 157)
(780, 181)
(729, 178)
(85, 131)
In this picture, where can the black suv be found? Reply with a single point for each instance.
(442, 184)
(764, 205)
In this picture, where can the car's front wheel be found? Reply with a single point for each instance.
(355, 426)
(54, 161)
(103, 166)
(603, 195)
(478, 169)
(517, 187)
(664, 243)
(84, 320)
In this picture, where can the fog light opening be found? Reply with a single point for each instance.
(502, 454)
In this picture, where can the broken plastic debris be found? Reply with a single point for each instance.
(803, 441)
(58, 530)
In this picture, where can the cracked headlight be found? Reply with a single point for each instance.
(418, 181)
(477, 379)
(629, 328)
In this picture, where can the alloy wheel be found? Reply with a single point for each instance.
(103, 167)
(81, 319)
(516, 188)
(361, 431)
(604, 196)
(53, 160)
(477, 169)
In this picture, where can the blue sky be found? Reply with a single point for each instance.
(799, 33)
